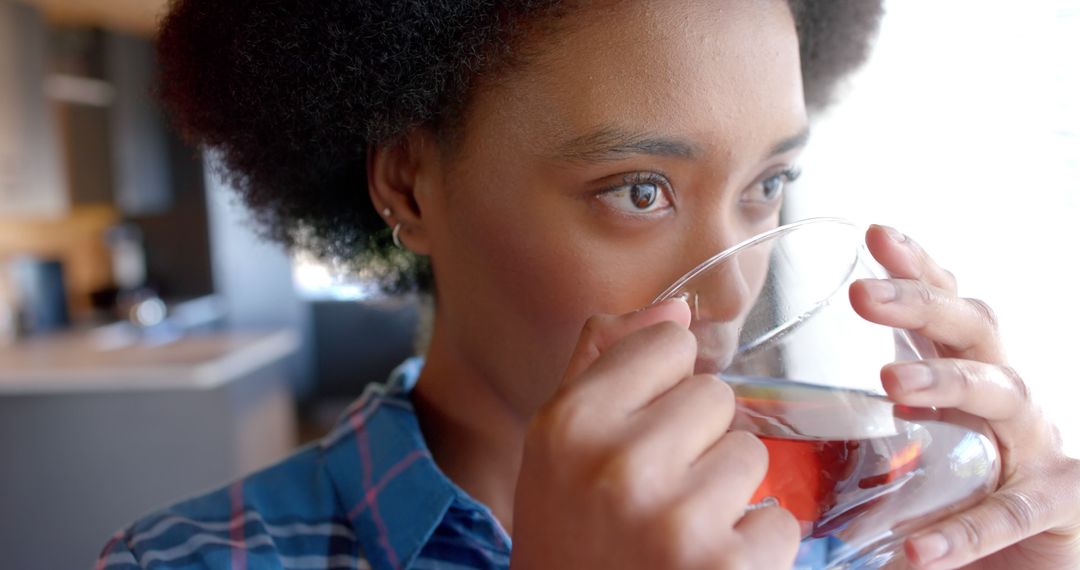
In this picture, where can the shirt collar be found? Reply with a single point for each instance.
(388, 485)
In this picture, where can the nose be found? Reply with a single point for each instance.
(721, 299)
(723, 293)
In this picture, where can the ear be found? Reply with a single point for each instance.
(402, 177)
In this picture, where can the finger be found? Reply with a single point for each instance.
(905, 259)
(771, 535)
(727, 474)
(966, 326)
(684, 422)
(1002, 519)
(635, 370)
(602, 331)
(990, 391)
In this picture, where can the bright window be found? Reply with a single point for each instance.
(964, 132)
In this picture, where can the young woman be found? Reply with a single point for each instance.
(551, 166)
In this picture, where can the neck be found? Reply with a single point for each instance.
(474, 434)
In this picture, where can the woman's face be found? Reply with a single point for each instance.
(637, 140)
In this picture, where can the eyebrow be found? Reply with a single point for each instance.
(615, 143)
(790, 143)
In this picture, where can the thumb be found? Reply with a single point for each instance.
(1002, 519)
(602, 331)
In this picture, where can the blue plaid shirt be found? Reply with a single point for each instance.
(368, 495)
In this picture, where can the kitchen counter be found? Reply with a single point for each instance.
(96, 431)
(102, 361)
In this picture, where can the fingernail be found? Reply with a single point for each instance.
(895, 234)
(930, 547)
(913, 377)
(681, 297)
(881, 290)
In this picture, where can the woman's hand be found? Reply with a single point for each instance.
(631, 465)
(1033, 519)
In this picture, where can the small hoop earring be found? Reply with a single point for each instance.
(396, 236)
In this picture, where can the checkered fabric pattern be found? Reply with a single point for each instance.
(367, 496)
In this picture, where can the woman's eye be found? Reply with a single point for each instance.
(637, 197)
(772, 188)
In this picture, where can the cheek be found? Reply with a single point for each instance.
(534, 270)
(523, 252)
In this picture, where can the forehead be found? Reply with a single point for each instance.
(708, 69)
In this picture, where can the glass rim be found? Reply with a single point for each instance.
(746, 244)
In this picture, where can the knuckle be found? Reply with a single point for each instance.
(1017, 384)
(1009, 513)
(949, 278)
(677, 335)
(626, 483)
(716, 390)
(748, 449)
(925, 294)
(750, 445)
(922, 259)
(556, 427)
(965, 376)
(671, 339)
(1020, 511)
(596, 326)
(985, 312)
(970, 534)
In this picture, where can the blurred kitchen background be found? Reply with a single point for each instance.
(151, 347)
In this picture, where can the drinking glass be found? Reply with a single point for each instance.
(773, 319)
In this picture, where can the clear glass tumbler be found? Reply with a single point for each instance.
(773, 319)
